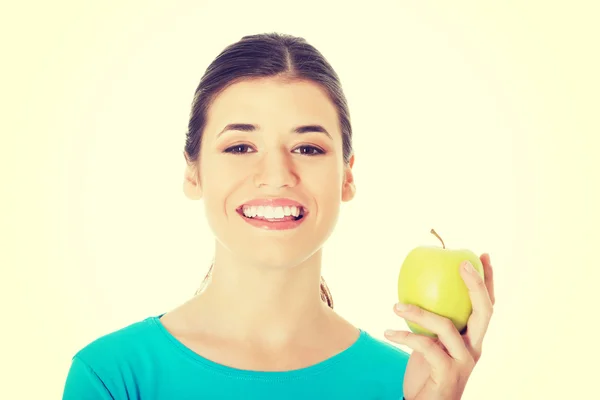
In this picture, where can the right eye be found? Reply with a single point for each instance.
(239, 149)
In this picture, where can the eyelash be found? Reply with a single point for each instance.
(315, 150)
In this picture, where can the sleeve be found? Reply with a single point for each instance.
(83, 383)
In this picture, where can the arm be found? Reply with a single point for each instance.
(84, 384)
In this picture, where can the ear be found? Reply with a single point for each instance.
(348, 187)
(191, 180)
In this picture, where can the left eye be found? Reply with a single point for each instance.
(309, 150)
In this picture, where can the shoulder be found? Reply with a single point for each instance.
(381, 361)
(371, 353)
(121, 343)
(379, 365)
(101, 365)
(383, 352)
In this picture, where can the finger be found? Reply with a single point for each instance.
(437, 358)
(488, 272)
(447, 333)
(482, 305)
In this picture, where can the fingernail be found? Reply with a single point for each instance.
(468, 267)
(389, 332)
(401, 307)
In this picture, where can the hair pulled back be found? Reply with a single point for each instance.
(260, 56)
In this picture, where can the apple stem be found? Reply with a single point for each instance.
(438, 236)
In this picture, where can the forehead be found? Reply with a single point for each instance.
(274, 102)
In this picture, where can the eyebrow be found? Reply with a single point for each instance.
(251, 128)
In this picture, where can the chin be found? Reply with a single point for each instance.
(279, 256)
(272, 246)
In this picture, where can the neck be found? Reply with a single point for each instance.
(259, 304)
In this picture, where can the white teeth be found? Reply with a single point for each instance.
(271, 212)
(279, 212)
(249, 212)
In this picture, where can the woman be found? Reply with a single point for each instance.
(269, 151)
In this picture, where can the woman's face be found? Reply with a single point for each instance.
(271, 173)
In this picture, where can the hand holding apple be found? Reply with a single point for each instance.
(444, 358)
(429, 278)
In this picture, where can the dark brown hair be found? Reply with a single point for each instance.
(259, 56)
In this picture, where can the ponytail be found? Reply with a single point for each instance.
(325, 293)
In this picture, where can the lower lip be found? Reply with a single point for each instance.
(273, 225)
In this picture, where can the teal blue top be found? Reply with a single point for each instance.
(144, 361)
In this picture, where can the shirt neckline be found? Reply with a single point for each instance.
(260, 375)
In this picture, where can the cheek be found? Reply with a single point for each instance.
(326, 186)
(219, 180)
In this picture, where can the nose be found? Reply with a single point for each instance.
(276, 170)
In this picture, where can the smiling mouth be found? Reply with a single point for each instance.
(272, 213)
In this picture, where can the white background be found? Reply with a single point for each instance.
(477, 119)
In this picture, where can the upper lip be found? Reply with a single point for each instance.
(273, 202)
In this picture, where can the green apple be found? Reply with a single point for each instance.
(429, 278)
